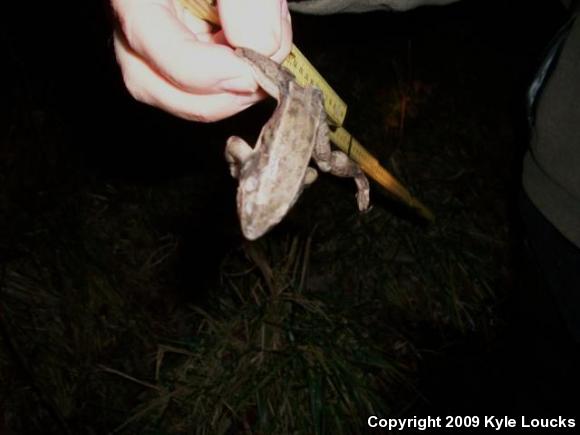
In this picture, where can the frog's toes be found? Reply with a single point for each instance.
(310, 176)
(363, 200)
(237, 152)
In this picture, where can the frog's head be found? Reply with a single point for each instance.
(269, 75)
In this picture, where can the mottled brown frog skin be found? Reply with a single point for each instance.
(273, 174)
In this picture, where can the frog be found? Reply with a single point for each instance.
(273, 174)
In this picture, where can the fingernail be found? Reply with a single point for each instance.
(239, 84)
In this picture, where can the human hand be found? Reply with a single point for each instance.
(176, 62)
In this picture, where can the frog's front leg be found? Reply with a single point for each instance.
(237, 152)
(339, 164)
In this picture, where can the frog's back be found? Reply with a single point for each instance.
(286, 148)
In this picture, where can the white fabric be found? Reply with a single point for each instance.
(323, 7)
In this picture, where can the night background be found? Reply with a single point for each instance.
(130, 301)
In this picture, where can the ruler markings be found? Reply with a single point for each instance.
(336, 109)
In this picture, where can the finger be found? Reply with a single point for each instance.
(263, 25)
(154, 32)
(147, 86)
(286, 40)
(195, 25)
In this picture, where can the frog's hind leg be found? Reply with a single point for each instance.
(237, 152)
(339, 164)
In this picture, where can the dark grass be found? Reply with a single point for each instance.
(129, 299)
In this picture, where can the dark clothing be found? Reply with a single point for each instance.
(551, 180)
(552, 264)
(551, 174)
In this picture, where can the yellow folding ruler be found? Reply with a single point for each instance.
(335, 108)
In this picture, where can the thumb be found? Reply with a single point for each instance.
(263, 25)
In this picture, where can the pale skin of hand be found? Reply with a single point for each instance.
(174, 61)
